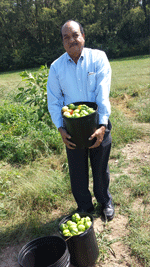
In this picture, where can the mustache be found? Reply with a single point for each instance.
(73, 44)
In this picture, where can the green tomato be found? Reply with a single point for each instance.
(90, 110)
(72, 227)
(76, 115)
(87, 219)
(76, 111)
(88, 224)
(68, 234)
(80, 232)
(78, 223)
(82, 220)
(73, 218)
(71, 106)
(75, 229)
(76, 217)
(66, 231)
(63, 226)
(65, 108)
(81, 227)
(69, 222)
(84, 113)
(84, 107)
(73, 224)
(67, 114)
(74, 232)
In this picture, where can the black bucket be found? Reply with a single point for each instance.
(80, 129)
(48, 251)
(83, 248)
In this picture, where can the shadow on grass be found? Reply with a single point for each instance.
(32, 228)
(28, 230)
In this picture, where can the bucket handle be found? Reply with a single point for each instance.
(68, 238)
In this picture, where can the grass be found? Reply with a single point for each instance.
(131, 195)
(35, 189)
(28, 196)
(132, 83)
(104, 245)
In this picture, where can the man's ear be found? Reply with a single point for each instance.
(83, 36)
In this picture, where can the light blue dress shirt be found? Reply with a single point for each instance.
(88, 80)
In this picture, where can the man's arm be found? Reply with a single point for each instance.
(102, 97)
(54, 98)
(103, 88)
(55, 104)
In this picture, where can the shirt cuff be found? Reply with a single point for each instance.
(103, 120)
(58, 123)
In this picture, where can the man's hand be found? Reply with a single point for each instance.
(65, 136)
(99, 134)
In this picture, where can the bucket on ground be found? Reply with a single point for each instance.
(80, 129)
(83, 248)
(48, 251)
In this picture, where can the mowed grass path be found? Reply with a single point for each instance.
(35, 196)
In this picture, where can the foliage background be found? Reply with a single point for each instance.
(30, 29)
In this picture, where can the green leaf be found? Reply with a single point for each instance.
(30, 102)
(21, 88)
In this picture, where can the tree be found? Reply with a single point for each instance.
(30, 29)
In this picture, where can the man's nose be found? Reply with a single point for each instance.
(72, 39)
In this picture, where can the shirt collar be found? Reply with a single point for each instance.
(70, 59)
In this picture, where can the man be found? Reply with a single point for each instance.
(83, 74)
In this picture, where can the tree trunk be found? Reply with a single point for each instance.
(144, 7)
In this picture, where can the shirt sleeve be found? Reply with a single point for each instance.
(103, 72)
(54, 98)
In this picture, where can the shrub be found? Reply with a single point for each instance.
(35, 92)
(23, 137)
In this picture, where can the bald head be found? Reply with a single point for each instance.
(80, 26)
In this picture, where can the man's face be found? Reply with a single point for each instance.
(73, 40)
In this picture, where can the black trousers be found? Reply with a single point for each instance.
(79, 173)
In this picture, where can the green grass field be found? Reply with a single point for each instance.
(35, 190)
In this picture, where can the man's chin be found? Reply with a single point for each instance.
(75, 51)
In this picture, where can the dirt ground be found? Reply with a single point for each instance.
(122, 256)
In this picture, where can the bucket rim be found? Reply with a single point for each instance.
(33, 243)
(78, 103)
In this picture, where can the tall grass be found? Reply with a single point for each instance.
(123, 130)
(131, 78)
(29, 194)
